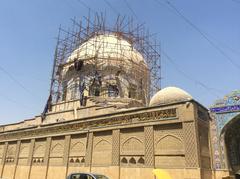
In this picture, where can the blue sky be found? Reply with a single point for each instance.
(27, 40)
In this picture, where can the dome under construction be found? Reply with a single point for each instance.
(107, 47)
(116, 67)
(106, 66)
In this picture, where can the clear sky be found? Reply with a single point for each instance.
(27, 40)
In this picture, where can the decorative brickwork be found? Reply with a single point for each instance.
(115, 147)
(149, 146)
(191, 151)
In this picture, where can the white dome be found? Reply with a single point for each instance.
(169, 95)
(107, 46)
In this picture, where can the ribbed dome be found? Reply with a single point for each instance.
(169, 95)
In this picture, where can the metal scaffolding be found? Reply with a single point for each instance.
(86, 33)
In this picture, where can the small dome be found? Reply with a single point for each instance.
(169, 95)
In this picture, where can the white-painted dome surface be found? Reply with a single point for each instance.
(169, 95)
(107, 46)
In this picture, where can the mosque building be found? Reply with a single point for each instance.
(106, 114)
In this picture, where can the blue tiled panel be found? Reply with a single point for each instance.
(223, 111)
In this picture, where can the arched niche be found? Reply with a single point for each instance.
(230, 133)
(77, 149)
(57, 150)
(11, 151)
(24, 150)
(169, 144)
(39, 151)
(132, 145)
(102, 153)
(224, 112)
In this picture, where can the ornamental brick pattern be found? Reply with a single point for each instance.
(191, 144)
(115, 147)
(149, 146)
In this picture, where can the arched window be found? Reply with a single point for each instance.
(113, 91)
